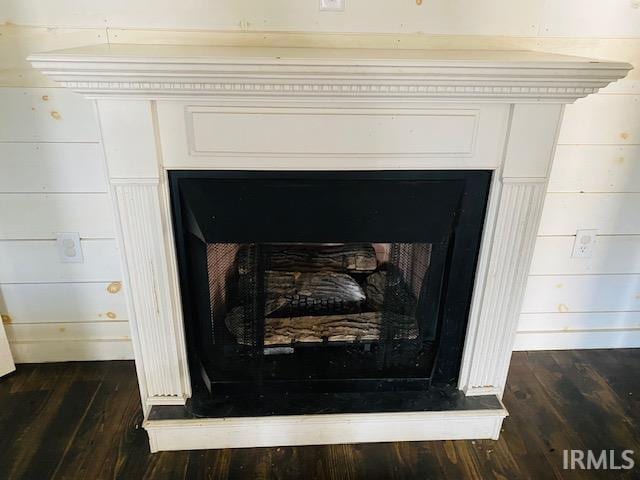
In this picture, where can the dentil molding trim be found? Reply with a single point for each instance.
(156, 71)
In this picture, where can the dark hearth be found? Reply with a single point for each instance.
(327, 281)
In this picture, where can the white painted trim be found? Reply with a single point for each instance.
(518, 215)
(473, 323)
(488, 350)
(6, 360)
(240, 432)
(152, 294)
(146, 71)
(40, 351)
(578, 339)
(166, 400)
(133, 181)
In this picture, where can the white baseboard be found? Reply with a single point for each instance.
(41, 351)
(290, 430)
(577, 339)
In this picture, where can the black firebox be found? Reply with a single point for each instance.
(302, 281)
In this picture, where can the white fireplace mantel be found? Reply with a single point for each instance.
(169, 71)
(185, 107)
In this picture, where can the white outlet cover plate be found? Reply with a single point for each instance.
(69, 248)
(584, 243)
(331, 5)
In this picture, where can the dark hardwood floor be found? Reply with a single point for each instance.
(83, 421)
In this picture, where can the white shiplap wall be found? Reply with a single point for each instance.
(595, 184)
(52, 179)
(52, 175)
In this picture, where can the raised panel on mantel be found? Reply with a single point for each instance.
(425, 132)
(425, 135)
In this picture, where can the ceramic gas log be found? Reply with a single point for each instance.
(352, 257)
(298, 293)
(324, 305)
(347, 327)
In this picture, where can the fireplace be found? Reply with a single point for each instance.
(324, 245)
(327, 281)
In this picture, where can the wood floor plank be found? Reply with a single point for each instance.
(580, 398)
(255, 463)
(424, 459)
(130, 455)
(536, 434)
(620, 372)
(209, 464)
(15, 416)
(84, 421)
(53, 386)
(60, 433)
(102, 422)
(361, 461)
(13, 382)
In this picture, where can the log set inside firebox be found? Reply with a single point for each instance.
(326, 293)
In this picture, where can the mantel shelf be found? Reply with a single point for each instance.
(159, 71)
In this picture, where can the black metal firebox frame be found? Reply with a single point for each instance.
(444, 208)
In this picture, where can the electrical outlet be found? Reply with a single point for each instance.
(331, 5)
(69, 248)
(584, 243)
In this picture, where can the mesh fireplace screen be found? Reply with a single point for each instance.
(275, 295)
(326, 281)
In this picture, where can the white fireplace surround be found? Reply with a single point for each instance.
(184, 107)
